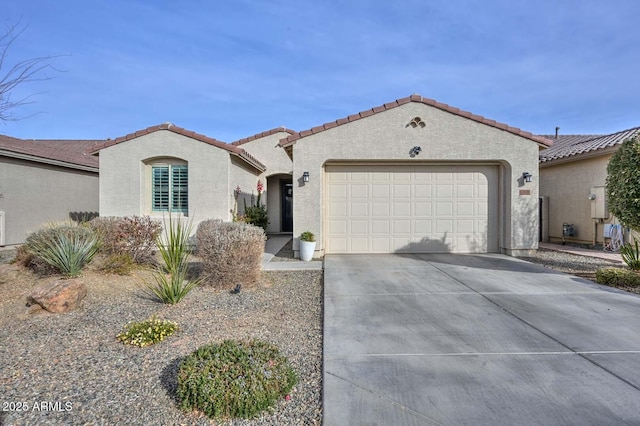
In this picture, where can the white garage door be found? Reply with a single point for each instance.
(412, 209)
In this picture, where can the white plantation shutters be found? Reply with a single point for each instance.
(169, 188)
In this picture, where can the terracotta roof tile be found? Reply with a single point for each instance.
(234, 150)
(73, 152)
(262, 135)
(574, 145)
(290, 140)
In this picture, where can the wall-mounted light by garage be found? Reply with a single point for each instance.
(415, 151)
(527, 177)
(305, 177)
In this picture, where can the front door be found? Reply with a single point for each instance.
(286, 208)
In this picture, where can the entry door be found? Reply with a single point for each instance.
(287, 206)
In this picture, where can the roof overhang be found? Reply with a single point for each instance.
(43, 160)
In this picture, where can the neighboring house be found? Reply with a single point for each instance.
(43, 181)
(573, 174)
(416, 175)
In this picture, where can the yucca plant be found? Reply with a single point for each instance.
(173, 245)
(171, 288)
(66, 249)
(171, 283)
(631, 255)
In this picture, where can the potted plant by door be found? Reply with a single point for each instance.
(307, 245)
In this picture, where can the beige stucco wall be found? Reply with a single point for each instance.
(243, 176)
(278, 163)
(32, 194)
(125, 176)
(568, 185)
(445, 138)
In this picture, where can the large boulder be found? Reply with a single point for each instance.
(59, 295)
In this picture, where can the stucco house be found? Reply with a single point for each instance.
(43, 181)
(413, 175)
(573, 174)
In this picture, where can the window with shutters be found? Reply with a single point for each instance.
(170, 188)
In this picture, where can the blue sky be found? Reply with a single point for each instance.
(230, 69)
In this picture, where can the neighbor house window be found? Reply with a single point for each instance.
(169, 188)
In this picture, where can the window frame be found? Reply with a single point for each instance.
(175, 187)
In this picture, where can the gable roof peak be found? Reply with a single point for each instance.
(290, 140)
(266, 133)
(167, 126)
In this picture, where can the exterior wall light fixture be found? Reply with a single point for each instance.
(305, 177)
(527, 177)
(415, 151)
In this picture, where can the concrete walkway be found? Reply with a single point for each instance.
(475, 340)
(273, 245)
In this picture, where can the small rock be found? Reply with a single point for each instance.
(59, 295)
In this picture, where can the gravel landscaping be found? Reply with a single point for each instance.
(75, 358)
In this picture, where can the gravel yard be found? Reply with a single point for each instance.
(75, 357)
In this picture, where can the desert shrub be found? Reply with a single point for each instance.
(231, 252)
(617, 277)
(234, 379)
(149, 332)
(173, 245)
(171, 288)
(118, 263)
(67, 247)
(631, 255)
(256, 214)
(133, 235)
(172, 283)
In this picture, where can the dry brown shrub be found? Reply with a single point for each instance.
(131, 235)
(231, 253)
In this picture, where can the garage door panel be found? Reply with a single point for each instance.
(412, 209)
(401, 209)
(380, 191)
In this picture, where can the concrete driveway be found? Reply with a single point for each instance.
(475, 340)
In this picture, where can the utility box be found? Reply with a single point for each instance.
(599, 207)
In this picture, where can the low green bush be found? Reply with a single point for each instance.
(67, 247)
(617, 277)
(234, 379)
(257, 216)
(149, 332)
(231, 252)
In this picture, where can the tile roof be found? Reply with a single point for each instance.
(233, 150)
(71, 152)
(572, 145)
(263, 134)
(290, 140)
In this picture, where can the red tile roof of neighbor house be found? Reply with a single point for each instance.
(71, 152)
(573, 145)
(290, 140)
(234, 150)
(263, 134)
